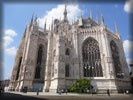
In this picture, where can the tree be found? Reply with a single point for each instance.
(81, 85)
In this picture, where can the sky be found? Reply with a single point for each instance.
(16, 16)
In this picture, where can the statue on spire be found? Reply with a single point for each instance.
(91, 14)
(52, 25)
(31, 23)
(25, 31)
(102, 19)
(65, 14)
(45, 25)
(116, 29)
(97, 19)
(35, 21)
(117, 32)
(80, 20)
(81, 14)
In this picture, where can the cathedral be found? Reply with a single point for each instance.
(52, 59)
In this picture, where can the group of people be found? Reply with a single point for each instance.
(62, 91)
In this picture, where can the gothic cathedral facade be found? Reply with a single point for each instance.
(52, 59)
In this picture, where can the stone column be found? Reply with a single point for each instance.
(107, 56)
(76, 55)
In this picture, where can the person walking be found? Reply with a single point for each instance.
(66, 91)
(37, 92)
(59, 92)
(108, 92)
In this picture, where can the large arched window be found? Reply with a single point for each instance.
(67, 70)
(91, 58)
(18, 70)
(116, 60)
(39, 61)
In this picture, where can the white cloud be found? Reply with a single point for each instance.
(129, 60)
(7, 40)
(128, 7)
(10, 32)
(57, 13)
(11, 51)
(128, 46)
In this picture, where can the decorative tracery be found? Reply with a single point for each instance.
(91, 58)
(39, 61)
(116, 60)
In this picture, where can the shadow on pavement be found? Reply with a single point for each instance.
(11, 96)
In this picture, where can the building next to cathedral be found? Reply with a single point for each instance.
(53, 59)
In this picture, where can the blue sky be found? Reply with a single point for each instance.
(17, 15)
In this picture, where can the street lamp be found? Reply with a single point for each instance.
(85, 71)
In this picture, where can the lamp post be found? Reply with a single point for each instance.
(85, 71)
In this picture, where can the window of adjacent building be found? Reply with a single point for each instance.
(91, 58)
(18, 70)
(39, 61)
(67, 70)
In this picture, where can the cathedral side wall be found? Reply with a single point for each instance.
(27, 73)
(19, 54)
(28, 69)
(120, 82)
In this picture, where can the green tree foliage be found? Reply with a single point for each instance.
(81, 85)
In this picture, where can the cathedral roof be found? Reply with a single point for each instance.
(85, 22)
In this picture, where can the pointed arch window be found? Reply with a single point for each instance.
(53, 71)
(18, 70)
(91, 58)
(67, 70)
(54, 53)
(116, 59)
(39, 61)
(67, 52)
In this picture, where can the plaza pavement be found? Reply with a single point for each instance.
(63, 96)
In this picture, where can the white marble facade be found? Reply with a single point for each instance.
(53, 59)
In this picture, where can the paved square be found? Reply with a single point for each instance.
(41, 96)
